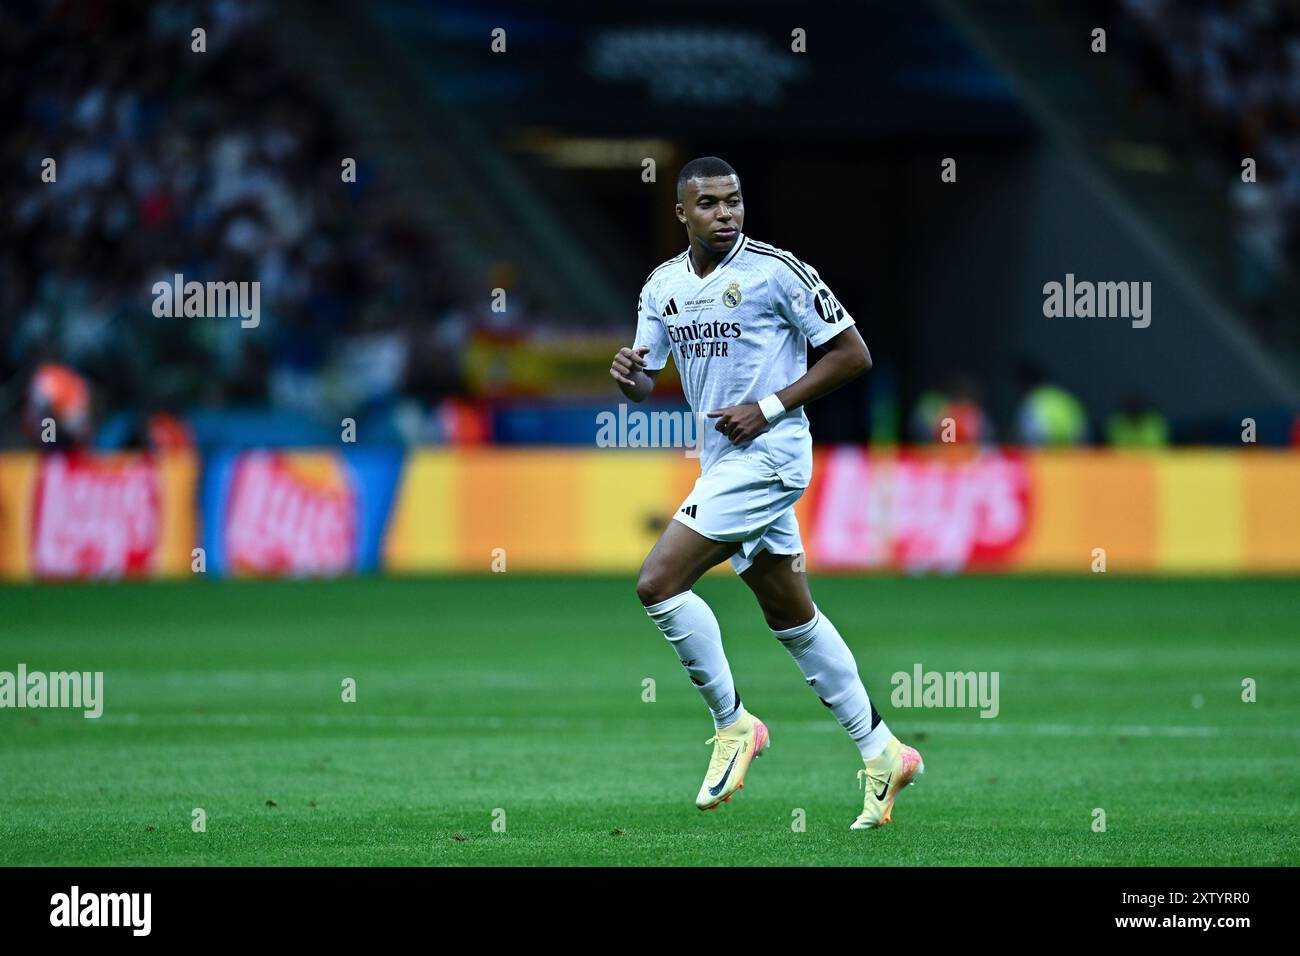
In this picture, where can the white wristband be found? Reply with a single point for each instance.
(771, 408)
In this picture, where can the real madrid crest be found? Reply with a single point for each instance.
(731, 298)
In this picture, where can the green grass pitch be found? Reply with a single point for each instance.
(524, 695)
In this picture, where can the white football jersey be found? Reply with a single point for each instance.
(737, 336)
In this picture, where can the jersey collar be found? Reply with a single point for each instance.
(735, 250)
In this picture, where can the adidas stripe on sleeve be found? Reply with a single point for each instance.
(650, 328)
(802, 298)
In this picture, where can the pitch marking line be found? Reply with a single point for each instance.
(411, 721)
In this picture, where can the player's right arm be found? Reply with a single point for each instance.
(635, 369)
(628, 369)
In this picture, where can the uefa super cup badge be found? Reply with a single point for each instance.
(731, 298)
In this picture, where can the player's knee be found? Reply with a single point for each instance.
(652, 587)
(782, 621)
(782, 615)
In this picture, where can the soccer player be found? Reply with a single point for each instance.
(735, 314)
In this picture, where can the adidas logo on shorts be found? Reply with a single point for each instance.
(689, 510)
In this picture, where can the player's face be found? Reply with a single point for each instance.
(713, 211)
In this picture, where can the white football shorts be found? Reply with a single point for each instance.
(737, 500)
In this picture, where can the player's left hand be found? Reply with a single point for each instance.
(740, 423)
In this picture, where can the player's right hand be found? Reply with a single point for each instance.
(627, 362)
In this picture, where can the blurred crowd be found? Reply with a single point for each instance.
(220, 166)
(225, 166)
(1229, 70)
(1047, 414)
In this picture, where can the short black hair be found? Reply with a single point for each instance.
(706, 167)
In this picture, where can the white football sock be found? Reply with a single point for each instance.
(830, 670)
(693, 631)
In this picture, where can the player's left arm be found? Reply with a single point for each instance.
(846, 358)
(804, 299)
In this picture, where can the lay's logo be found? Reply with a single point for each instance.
(921, 512)
(291, 515)
(95, 516)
